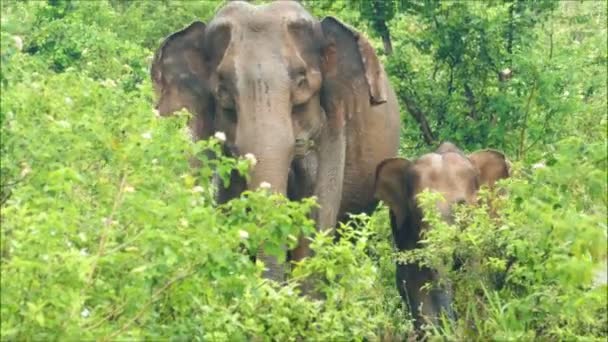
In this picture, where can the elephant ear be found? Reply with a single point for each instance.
(395, 183)
(491, 165)
(180, 78)
(349, 61)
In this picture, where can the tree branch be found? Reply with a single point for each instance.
(510, 33)
(419, 116)
(154, 298)
(468, 92)
(522, 134)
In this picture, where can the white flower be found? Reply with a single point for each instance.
(243, 234)
(25, 169)
(187, 132)
(147, 135)
(566, 93)
(265, 185)
(18, 42)
(198, 188)
(154, 161)
(63, 124)
(68, 100)
(108, 83)
(84, 252)
(85, 313)
(220, 136)
(129, 188)
(183, 222)
(107, 221)
(156, 113)
(600, 277)
(538, 165)
(251, 158)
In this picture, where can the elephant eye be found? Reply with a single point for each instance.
(299, 77)
(302, 84)
(301, 81)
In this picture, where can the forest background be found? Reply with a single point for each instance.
(105, 234)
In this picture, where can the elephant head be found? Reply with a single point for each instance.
(271, 77)
(458, 178)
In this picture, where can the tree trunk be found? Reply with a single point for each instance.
(386, 37)
(386, 41)
(468, 92)
(510, 33)
(419, 116)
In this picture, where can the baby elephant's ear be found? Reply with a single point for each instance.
(393, 185)
(491, 165)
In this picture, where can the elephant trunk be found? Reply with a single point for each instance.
(265, 130)
(275, 174)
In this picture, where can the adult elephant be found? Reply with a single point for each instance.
(308, 98)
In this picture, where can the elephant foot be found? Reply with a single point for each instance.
(274, 270)
(307, 289)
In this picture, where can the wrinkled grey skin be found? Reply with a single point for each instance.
(308, 98)
(458, 178)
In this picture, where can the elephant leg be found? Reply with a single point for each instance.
(302, 180)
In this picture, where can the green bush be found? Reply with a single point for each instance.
(110, 234)
(107, 233)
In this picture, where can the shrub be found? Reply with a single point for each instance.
(106, 233)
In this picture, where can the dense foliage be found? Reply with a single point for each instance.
(108, 234)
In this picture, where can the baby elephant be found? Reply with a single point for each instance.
(458, 178)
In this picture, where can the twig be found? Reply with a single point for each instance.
(116, 311)
(522, 134)
(526, 149)
(9, 186)
(150, 301)
(106, 228)
(551, 37)
(103, 240)
(126, 243)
